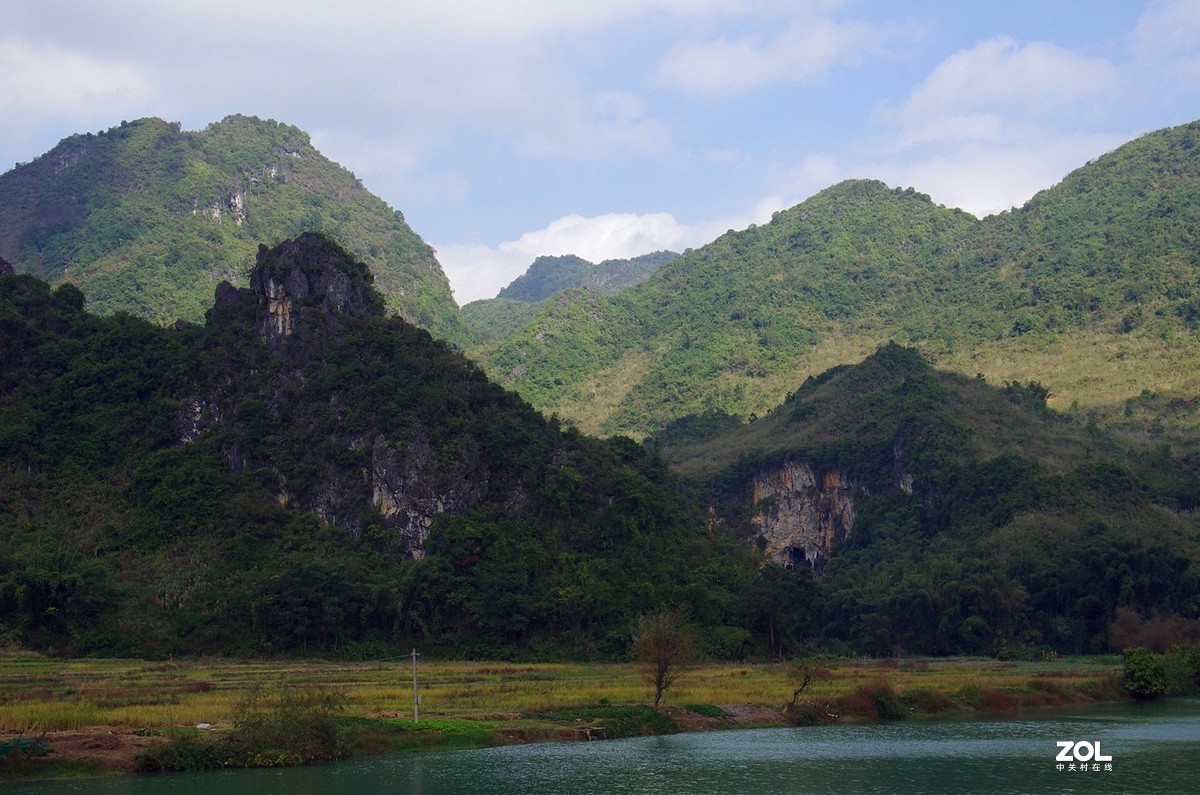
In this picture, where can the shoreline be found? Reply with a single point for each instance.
(565, 709)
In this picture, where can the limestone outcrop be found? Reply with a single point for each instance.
(308, 273)
(799, 514)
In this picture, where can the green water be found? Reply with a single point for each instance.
(1155, 748)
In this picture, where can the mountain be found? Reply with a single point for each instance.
(304, 473)
(945, 515)
(546, 276)
(148, 219)
(1090, 288)
(492, 318)
(549, 275)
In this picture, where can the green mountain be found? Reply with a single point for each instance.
(517, 303)
(303, 473)
(1090, 288)
(949, 516)
(549, 275)
(546, 276)
(148, 219)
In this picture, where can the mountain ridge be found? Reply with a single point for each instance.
(730, 326)
(148, 218)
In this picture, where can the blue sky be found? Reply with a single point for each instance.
(509, 129)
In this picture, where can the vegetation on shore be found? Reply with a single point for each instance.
(351, 709)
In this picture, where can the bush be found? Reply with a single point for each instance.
(876, 701)
(808, 713)
(183, 753)
(1181, 666)
(297, 724)
(273, 727)
(927, 701)
(1145, 674)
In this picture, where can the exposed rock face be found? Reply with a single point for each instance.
(308, 272)
(801, 516)
(408, 494)
(301, 294)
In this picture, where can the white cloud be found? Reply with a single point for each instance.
(993, 124)
(987, 179)
(976, 94)
(1167, 29)
(1166, 43)
(39, 82)
(604, 124)
(804, 51)
(794, 185)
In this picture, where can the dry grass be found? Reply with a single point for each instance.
(45, 694)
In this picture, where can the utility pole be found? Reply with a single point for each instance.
(416, 692)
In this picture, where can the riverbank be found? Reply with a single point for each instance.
(98, 716)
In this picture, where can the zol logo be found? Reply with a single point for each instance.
(1082, 755)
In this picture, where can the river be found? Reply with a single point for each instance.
(1154, 748)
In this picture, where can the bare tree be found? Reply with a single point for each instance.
(665, 644)
(805, 670)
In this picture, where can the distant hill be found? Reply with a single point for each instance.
(490, 319)
(549, 275)
(148, 219)
(1092, 288)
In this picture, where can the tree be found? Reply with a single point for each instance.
(665, 644)
(804, 671)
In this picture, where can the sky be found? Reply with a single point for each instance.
(509, 129)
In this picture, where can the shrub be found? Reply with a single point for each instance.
(876, 701)
(927, 701)
(808, 713)
(292, 723)
(183, 752)
(273, 727)
(1145, 674)
(1181, 666)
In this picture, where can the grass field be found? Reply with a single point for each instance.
(43, 694)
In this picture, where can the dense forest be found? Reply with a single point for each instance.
(984, 522)
(341, 483)
(303, 473)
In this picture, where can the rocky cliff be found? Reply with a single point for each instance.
(303, 274)
(321, 362)
(799, 515)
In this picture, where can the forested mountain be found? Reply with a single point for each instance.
(1091, 288)
(304, 473)
(519, 301)
(549, 275)
(946, 515)
(149, 219)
